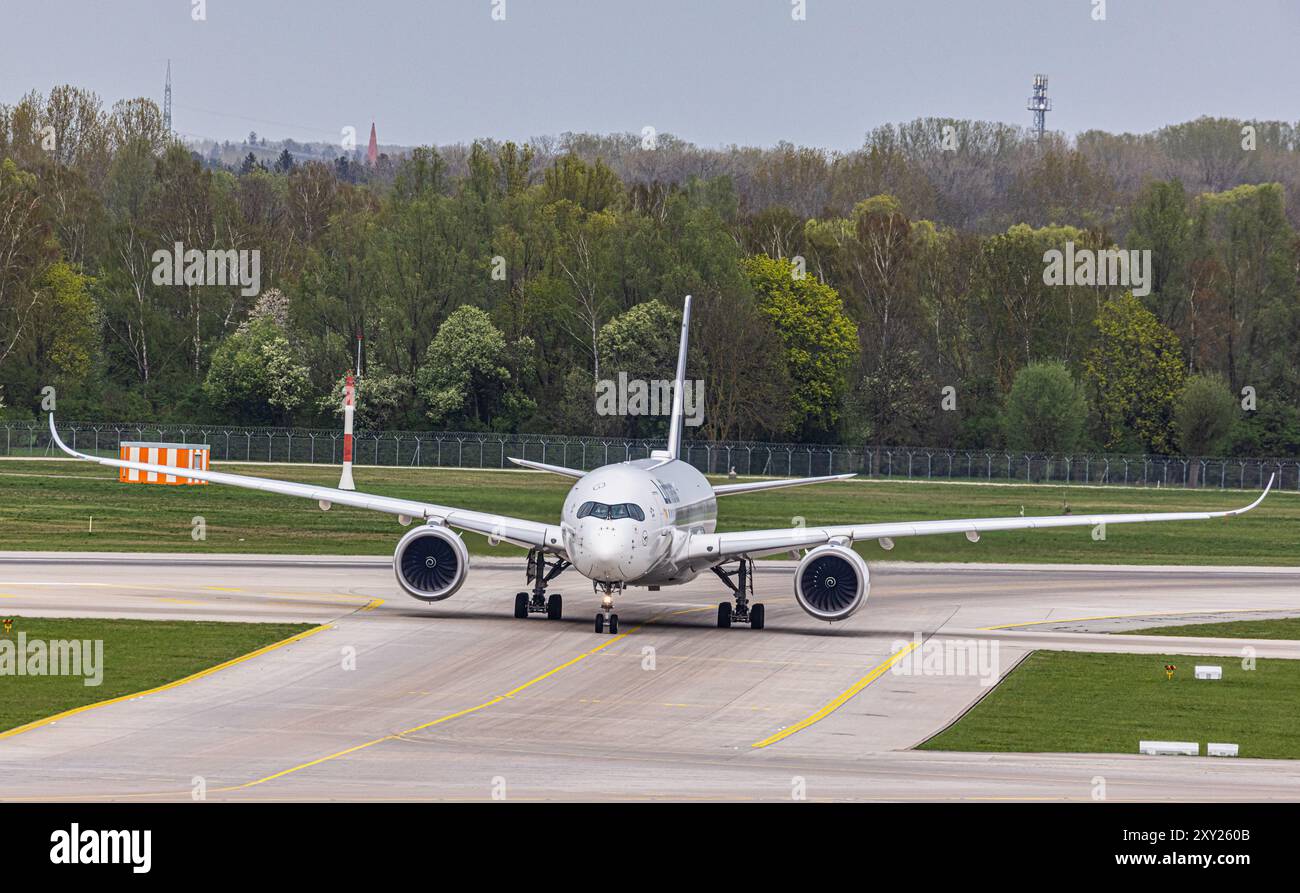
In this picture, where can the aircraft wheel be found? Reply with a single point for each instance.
(756, 617)
(724, 615)
(554, 607)
(613, 624)
(521, 605)
(600, 623)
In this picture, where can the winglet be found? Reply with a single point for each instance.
(1267, 487)
(54, 434)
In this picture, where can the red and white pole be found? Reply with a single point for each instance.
(349, 406)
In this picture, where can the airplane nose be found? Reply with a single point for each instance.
(600, 552)
(606, 549)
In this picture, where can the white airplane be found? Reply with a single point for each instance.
(645, 523)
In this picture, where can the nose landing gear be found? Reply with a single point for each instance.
(742, 587)
(607, 617)
(541, 572)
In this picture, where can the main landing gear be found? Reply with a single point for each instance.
(607, 619)
(541, 572)
(741, 583)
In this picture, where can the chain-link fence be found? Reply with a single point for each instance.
(460, 449)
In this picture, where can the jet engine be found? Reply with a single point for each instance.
(430, 563)
(831, 582)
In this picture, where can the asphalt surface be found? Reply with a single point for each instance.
(396, 700)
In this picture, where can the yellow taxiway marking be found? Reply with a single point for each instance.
(1130, 616)
(179, 601)
(173, 684)
(496, 699)
(843, 698)
(224, 588)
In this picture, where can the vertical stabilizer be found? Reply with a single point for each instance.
(679, 385)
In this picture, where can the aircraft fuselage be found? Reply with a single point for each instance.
(624, 523)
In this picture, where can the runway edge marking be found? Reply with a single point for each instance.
(1185, 613)
(298, 637)
(842, 699)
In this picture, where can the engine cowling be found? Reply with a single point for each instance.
(430, 563)
(831, 582)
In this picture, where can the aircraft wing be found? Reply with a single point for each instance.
(754, 486)
(518, 531)
(553, 469)
(753, 543)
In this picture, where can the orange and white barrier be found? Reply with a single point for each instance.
(173, 455)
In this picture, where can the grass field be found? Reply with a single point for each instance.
(1284, 628)
(137, 655)
(1098, 703)
(1071, 702)
(48, 505)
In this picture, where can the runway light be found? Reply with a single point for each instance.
(1169, 671)
(8, 624)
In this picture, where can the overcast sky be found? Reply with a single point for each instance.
(714, 72)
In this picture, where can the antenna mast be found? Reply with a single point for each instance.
(1040, 105)
(167, 100)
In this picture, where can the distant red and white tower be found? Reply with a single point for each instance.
(372, 153)
(349, 407)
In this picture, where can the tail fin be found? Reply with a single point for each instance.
(679, 385)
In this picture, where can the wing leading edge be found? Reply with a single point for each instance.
(519, 531)
(721, 546)
(755, 486)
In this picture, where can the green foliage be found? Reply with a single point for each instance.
(1045, 409)
(1206, 415)
(1135, 373)
(256, 375)
(382, 400)
(820, 340)
(924, 265)
(470, 375)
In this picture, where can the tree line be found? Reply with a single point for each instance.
(895, 294)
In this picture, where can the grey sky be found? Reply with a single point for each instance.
(714, 72)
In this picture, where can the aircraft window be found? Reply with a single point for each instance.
(611, 512)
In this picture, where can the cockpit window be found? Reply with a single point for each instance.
(611, 512)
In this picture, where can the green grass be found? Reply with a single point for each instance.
(137, 655)
(47, 506)
(1282, 628)
(1072, 702)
